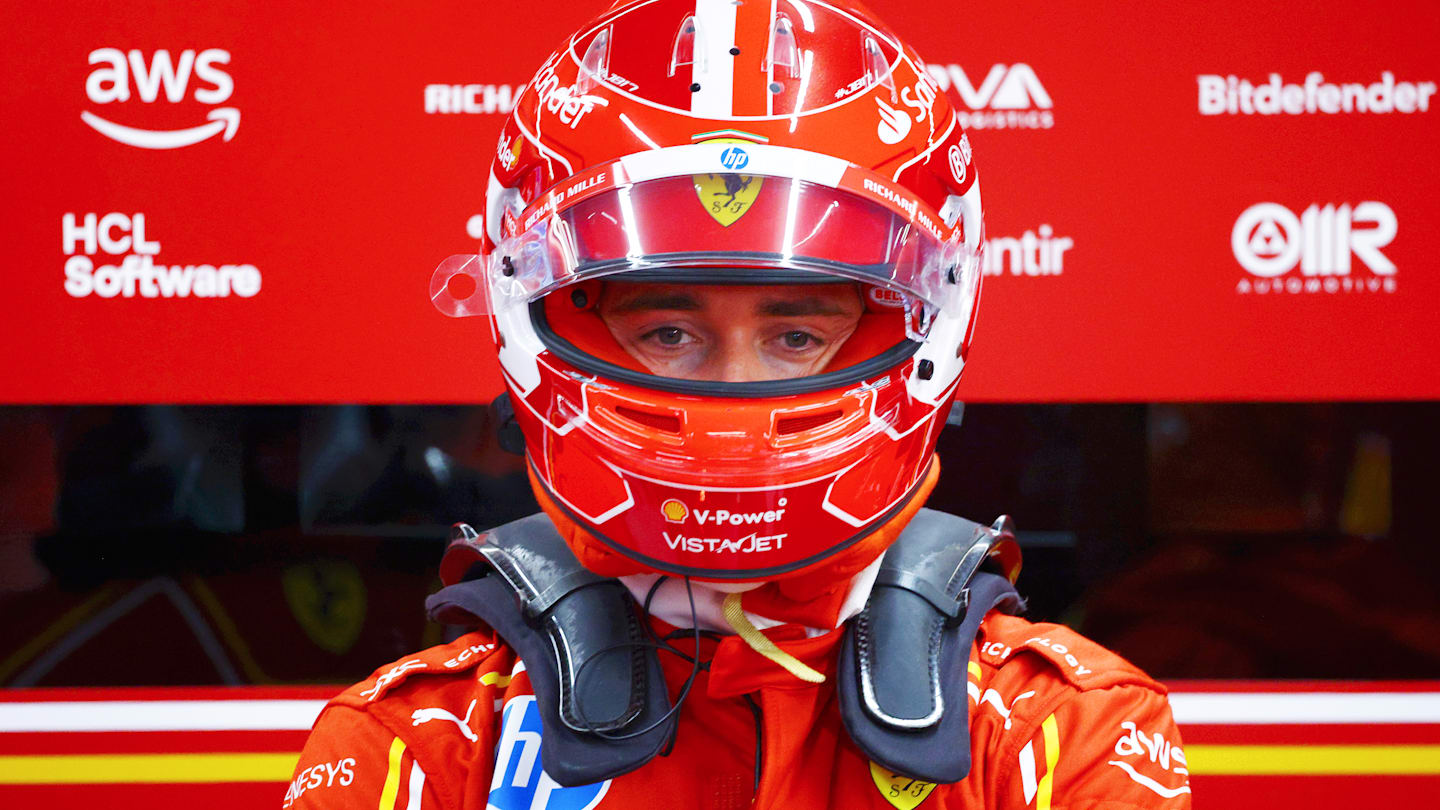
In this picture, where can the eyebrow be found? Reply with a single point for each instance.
(799, 308)
(651, 301)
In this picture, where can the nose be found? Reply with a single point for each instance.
(736, 360)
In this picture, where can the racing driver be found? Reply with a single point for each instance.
(731, 269)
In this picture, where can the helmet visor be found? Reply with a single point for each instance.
(736, 228)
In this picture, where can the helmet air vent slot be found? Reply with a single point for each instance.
(798, 423)
(667, 422)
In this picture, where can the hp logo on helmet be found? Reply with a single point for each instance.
(734, 158)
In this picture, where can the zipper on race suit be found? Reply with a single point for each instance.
(759, 744)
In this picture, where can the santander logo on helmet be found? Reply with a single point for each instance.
(697, 142)
(894, 125)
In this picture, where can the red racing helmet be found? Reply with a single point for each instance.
(711, 142)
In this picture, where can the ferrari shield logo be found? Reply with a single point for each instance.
(727, 197)
(327, 598)
(902, 791)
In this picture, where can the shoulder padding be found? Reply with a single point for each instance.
(902, 688)
(597, 681)
(1081, 662)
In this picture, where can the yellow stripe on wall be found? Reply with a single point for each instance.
(1204, 760)
(109, 769)
(1313, 760)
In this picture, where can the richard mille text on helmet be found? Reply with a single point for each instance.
(731, 267)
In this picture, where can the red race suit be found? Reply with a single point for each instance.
(1056, 721)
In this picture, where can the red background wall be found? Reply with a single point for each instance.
(343, 192)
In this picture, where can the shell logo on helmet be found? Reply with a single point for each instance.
(674, 511)
(613, 448)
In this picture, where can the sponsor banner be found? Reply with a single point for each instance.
(1008, 97)
(1177, 207)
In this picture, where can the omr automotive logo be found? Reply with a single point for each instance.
(1009, 97)
(117, 70)
(1270, 241)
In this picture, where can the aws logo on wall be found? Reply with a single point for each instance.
(160, 79)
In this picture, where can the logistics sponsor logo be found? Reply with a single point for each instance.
(117, 70)
(327, 774)
(1009, 97)
(1033, 253)
(1270, 241)
(472, 99)
(1232, 95)
(123, 235)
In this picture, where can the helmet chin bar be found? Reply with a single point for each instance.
(662, 567)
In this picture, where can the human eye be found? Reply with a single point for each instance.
(800, 340)
(667, 337)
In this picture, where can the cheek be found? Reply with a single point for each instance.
(783, 365)
(680, 362)
(823, 360)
